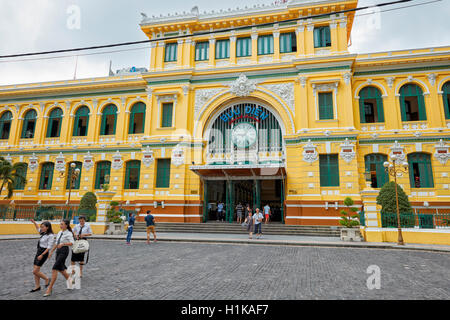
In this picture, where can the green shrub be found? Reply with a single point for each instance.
(386, 199)
(88, 206)
(349, 218)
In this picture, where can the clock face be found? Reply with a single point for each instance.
(244, 135)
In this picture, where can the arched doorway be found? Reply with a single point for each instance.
(245, 160)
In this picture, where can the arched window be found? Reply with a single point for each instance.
(137, 118)
(81, 122)
(132, 173)
(420, 170)
(371, 105)
(109, 118)
(29, 124)
(412, 104)
(76, 183)
(5, 125)
(45, 183)
(446, 97)
(19, 184)
(374, 165)
(54, 123)
(102, 174)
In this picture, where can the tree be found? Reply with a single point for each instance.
(351, 218)
(386, 199)
(88, 204)
(11, 175)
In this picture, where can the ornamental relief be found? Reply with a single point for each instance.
(285, 91)
(202, 96)
(177, 158)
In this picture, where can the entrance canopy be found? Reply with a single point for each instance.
(241, 172)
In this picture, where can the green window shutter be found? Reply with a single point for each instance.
(29, 117)
(132, 173)
(20, 185)
(362, 111)
(202, 51)
(45, 182)
(110, 110)
(55, 118)
(5, 125)
(317, 42)
(163, 173)
(167, 115)
(329, 170)
(446, 98)
(103, 170)
(76, 183)
(137, 110)
(223, 49)
(425, 170)
(422, 111)
(325, 106)
(287, 42)
(377, 160)
(81, 112)
(244, 47)
(327, 36)
(171, 52)
(265, 44)
(380, 109)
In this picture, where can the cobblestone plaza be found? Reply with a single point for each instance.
(168, 270)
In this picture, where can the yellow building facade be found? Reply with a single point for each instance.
(260, 105)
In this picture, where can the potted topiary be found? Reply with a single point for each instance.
(350, 222)
(116, 224)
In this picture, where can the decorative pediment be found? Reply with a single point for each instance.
(347, 151)
(442, 152)
(33, 162)
(117, 161)
(177, 156)
(398, 151)
(60, 163)
(310, 153)
(243, 86)
(88, 162)
(147, 157)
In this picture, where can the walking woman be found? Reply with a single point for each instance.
(131, 220)
(44, 245)
(249, 221)
(64, 240)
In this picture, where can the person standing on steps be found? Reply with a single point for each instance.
(267, 213)
(150, 221)
(258, 218)
(239, 212)
(220, 214)
(80, 232)
(131, 220)
(44, 245)
(249, 222)
(63, 242)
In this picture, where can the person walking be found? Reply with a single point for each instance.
(267, 213)
(131, 220)
(239, 212)
(249, 222)
(150, 220)
(220, 214)
(258, 218)
(63, 242)
(44, 245)
(80, 232)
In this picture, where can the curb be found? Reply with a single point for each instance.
(265, 242)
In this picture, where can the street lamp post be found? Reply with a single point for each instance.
(72, 175)
(396, 170)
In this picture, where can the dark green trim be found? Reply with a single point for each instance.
(366, 73)
(305, 139)
(405, 139)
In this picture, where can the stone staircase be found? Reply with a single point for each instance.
(234, 228)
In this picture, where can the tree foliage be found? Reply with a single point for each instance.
(88, 206)
(349, 217)
(386, 199)
(11, 175)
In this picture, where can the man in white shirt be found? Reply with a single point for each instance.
(257, 219)
(81, 231)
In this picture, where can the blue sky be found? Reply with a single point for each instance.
(36, 25)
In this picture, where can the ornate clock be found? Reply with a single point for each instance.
(244, 135)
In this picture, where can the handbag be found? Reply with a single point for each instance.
(80, 246)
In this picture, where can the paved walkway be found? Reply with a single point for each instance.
(208, 271)
(265, 240)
